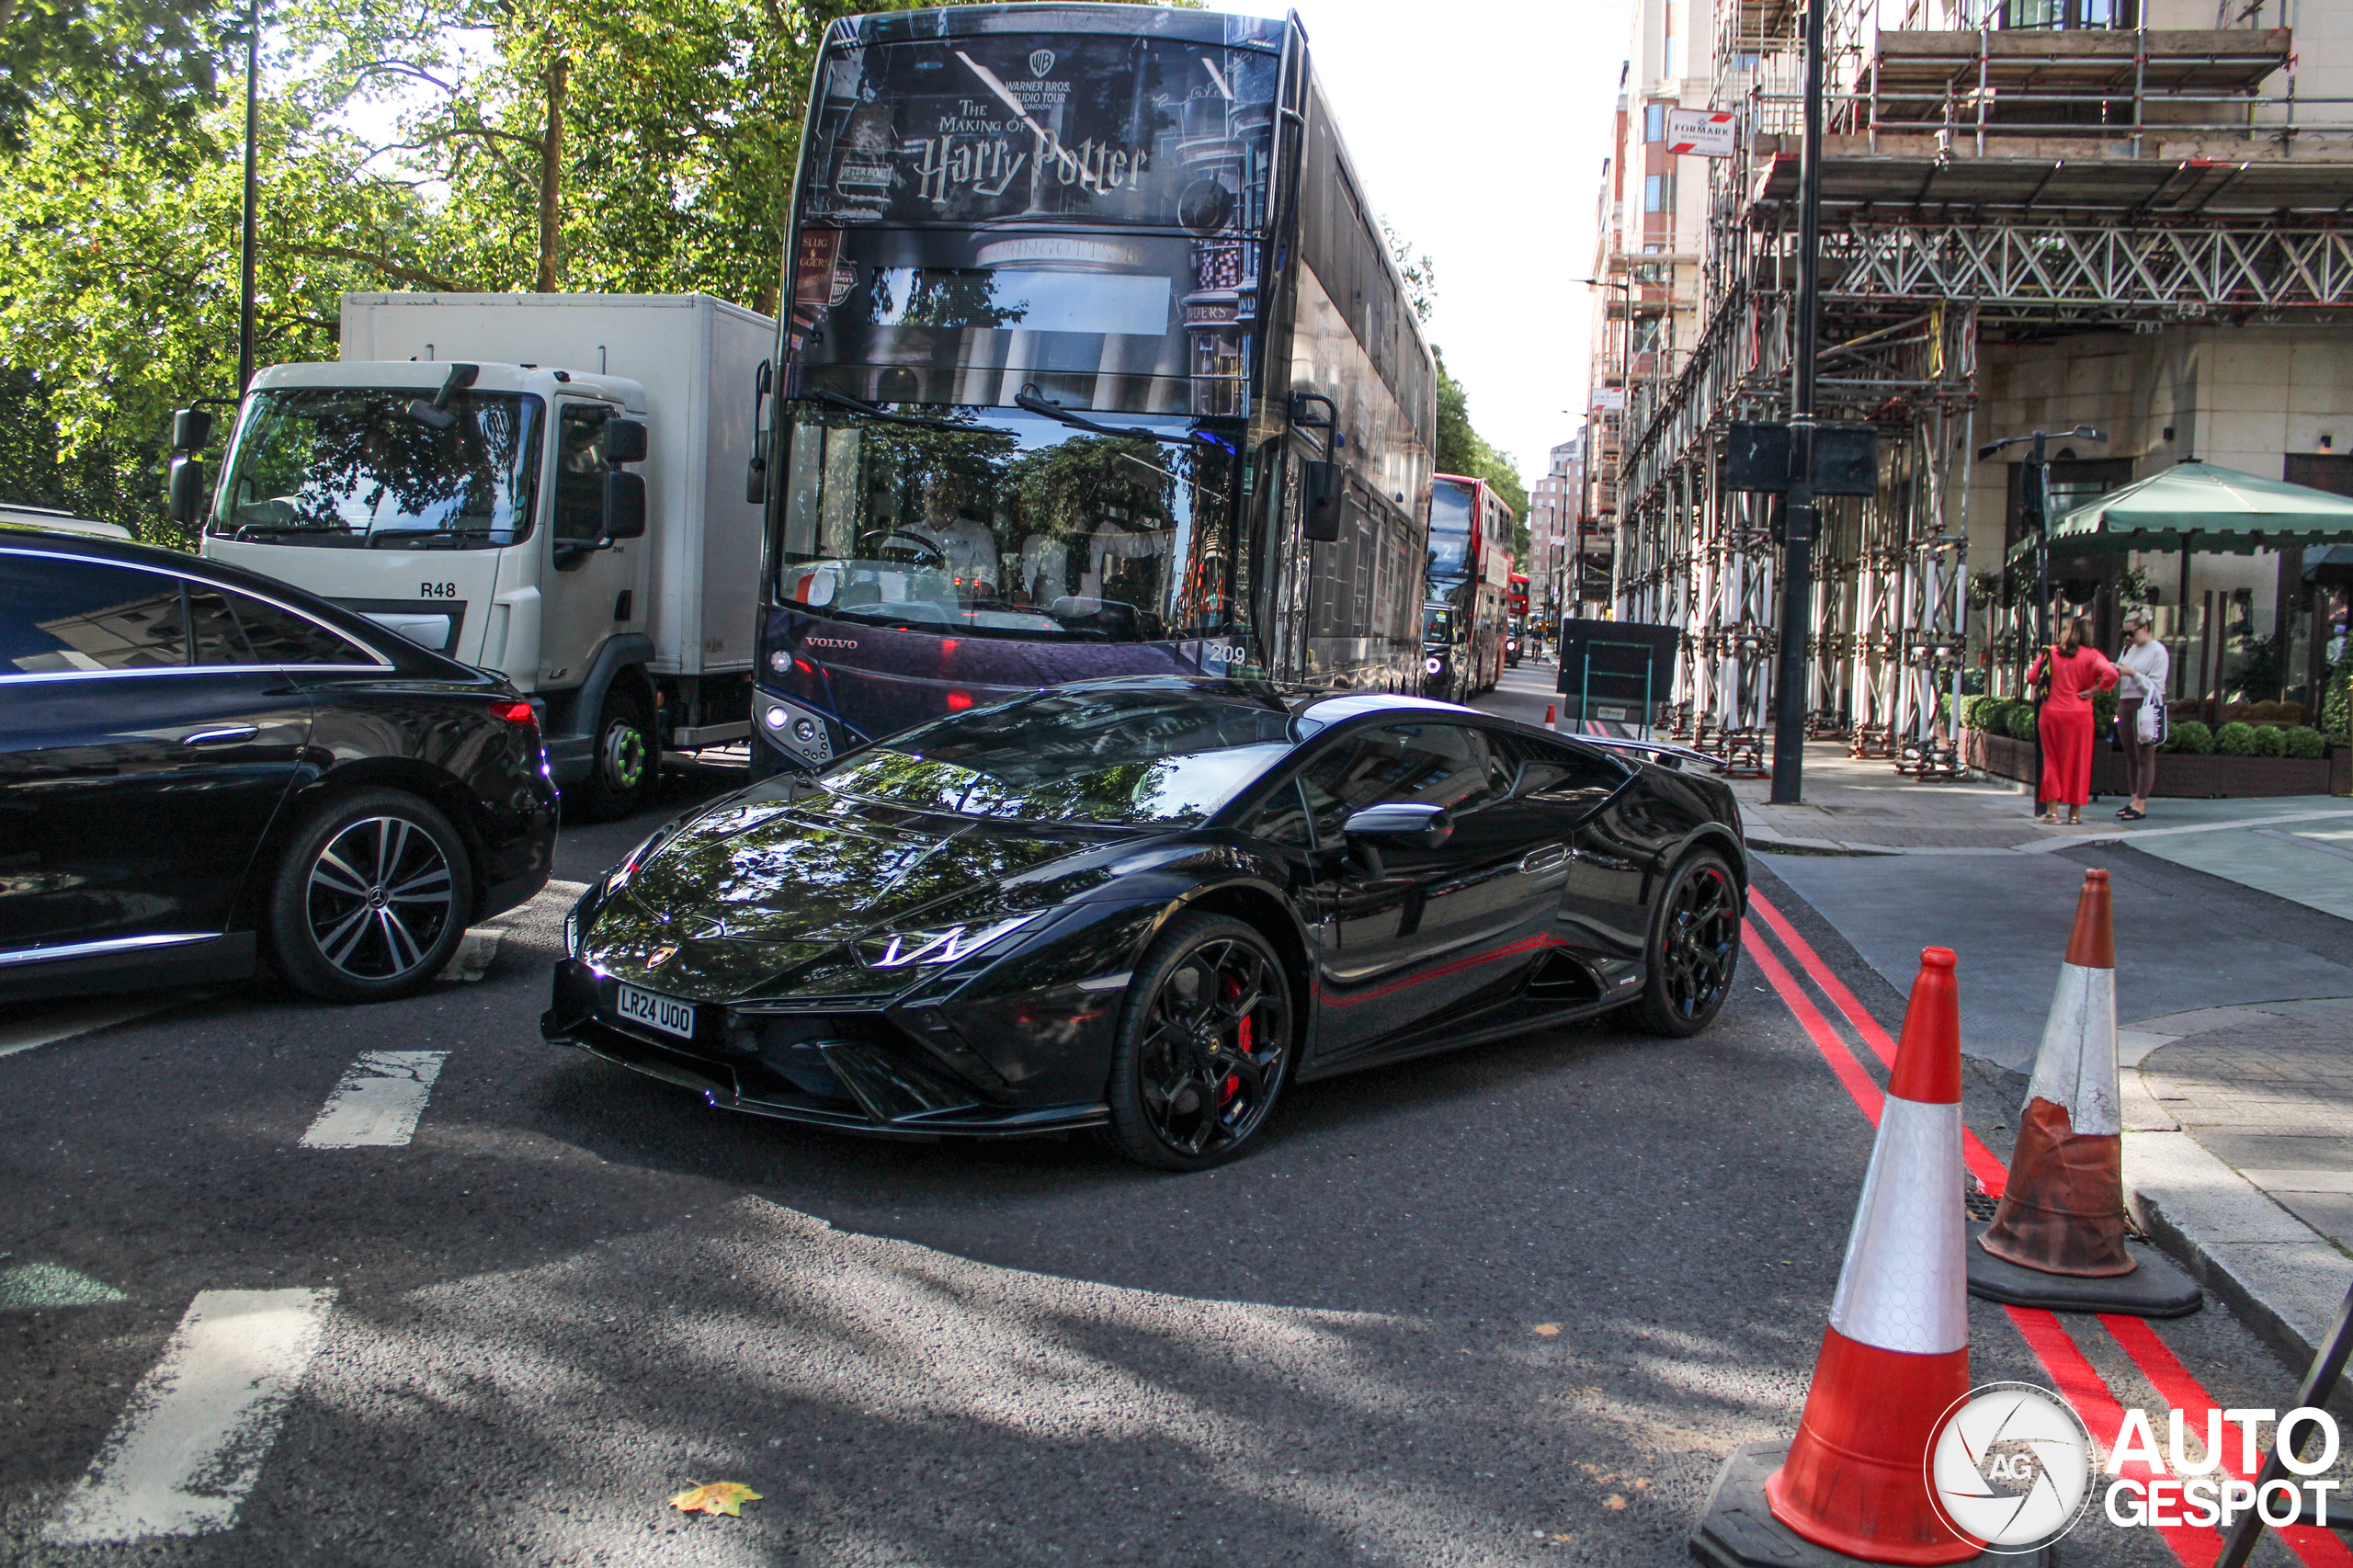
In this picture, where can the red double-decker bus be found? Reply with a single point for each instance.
(1516, 592)
(1470, 532)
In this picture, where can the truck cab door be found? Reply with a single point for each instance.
(587, 592)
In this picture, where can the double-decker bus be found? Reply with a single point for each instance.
(1469, 572)
(1093, 364)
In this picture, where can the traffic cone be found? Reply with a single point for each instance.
(1551, 709)
(2057, 1239)
(1854, 1485)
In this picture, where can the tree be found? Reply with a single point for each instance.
(1461, 449)
(152, 62)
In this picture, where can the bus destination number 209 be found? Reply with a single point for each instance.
(437, 590)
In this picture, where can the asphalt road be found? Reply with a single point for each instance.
(1511, 1305)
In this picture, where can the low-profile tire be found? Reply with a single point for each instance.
(1693, 950)
(371, 898)
(623, 761)
(1205, 1042)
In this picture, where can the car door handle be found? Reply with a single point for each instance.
(229, 734)
(1546, 858)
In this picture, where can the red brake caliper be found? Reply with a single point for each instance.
(1232, 988)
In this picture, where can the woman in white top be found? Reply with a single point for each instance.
(2141, 670)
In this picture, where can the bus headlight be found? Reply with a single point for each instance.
(1434, 666)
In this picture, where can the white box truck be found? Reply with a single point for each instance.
(548, 485)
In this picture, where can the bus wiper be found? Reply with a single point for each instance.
(1028, 397)
(833, 398)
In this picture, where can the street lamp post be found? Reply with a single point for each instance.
(1799, 513)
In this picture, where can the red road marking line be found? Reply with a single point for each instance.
(1983, 1162)
(2079, 1382)
(2180, 1387)
(1868, 1094)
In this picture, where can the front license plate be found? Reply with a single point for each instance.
(667, 1014)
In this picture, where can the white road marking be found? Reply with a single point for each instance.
(190, 1445)
(377, 1103)
(477, 950)
(47, 1026)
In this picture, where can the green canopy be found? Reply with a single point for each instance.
(2225, 510)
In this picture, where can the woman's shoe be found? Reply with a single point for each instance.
(2129, 814)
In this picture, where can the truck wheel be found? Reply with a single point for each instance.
(622, 767)
(371, 897)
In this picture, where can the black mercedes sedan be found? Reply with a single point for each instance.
(1147, 905)
(201, 767)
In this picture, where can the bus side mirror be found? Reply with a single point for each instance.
(756, 481)
(625, 441)
(191, 429)
(1319, 490)
(185, 497)
(624, 505)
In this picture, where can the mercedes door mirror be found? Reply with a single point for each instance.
(624, 505)
(191, 429)
(625, 441)
(1404, 824)
(185, 496)
(1319, 490)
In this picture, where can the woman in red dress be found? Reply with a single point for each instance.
(2077, 669)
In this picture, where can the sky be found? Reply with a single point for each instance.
(1479, 128)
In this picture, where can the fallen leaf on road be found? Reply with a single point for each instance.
(1613, 1501)
(720, 1497)
(1549, 1330)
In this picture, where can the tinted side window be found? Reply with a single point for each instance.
(1282, 819)
(1562, 773)
(1438, 765)
(59, 615)
(580, 473)
(237, 629)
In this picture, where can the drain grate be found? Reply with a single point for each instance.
(1980, 1206)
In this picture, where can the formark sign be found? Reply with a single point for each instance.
(1703, 133)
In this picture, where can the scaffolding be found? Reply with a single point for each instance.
(1980, 180)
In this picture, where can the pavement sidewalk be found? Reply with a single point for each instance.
(2235, 967)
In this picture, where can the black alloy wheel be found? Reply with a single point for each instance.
(1204, 1044)
(371, 897)
(623, 765)
(1694, 949)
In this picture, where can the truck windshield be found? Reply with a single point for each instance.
(1018, 527)
(343, 466)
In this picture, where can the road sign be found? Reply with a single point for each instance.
(1704, 133)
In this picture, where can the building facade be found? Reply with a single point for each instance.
(2034, 216)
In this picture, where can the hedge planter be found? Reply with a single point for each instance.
(2181, 775)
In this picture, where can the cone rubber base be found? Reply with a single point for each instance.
(1737, 1531)
(2156, 1289)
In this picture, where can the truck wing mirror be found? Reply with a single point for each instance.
(756, 482)
(191, 429)
(625, 441)
(1319, 490)
(185, 497)
(624, 505)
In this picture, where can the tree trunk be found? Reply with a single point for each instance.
(550, 280)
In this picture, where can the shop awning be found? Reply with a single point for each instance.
(2227, 511)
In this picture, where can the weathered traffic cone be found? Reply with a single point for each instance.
(1854, 1485)
(2057, 1239)
(1551, 718)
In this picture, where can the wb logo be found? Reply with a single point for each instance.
(2010, 1466)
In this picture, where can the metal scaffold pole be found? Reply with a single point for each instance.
(1799, 512)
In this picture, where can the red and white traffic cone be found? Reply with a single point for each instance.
(2058, 1238)
(1552, 715)
(1854, 1485)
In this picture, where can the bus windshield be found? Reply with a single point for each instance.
(1017, 526)
(1449, 529)
(1081, 212)
(342, 466)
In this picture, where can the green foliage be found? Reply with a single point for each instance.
(2302, 740)
(2236, 739)
(2190, 736)
(2023, 720)
(1972, 711)
(2336, 708)
(1461, 449)
(2103, 709)
(2270, 739)
(154, 62)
